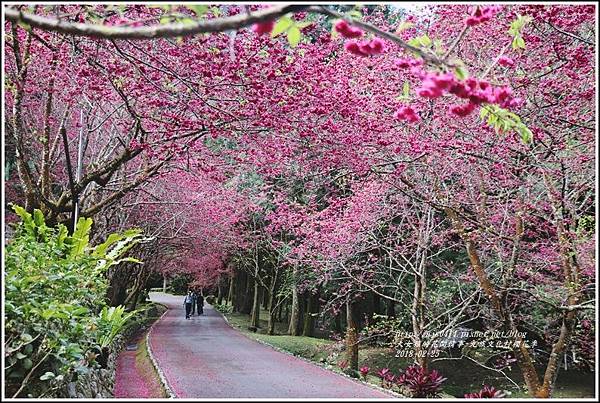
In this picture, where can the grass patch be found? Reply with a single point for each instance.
(312, 348)
(147, 370)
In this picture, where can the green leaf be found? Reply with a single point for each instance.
(425, 40)
(47, 376)
(294, 36)
(303, 24)
(62, 235)
(406, 89)
(414, 42)
(520, 42)
(27, 363)
(26, 337)
(26, 217)
(282, 25)
(198, 9)
(38, 218)
(185, 21)
(403, 26)
(526, 134)
(79, 311)
(100, 250)
(461, 73)
(215, 10)
(128, 260)
(483, 112)
(355, 13)
(81, 236)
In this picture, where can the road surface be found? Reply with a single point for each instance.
(204, 357)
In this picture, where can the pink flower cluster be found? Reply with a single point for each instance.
(347, 31)
(264, 27)
(462, 110)
(477, 92)
(365, 48)
(407, 113)
(481, 15)
(506, 61)
(434, 84)
(406, 63)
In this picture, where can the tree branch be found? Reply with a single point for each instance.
(158, 31)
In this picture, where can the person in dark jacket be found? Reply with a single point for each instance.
(188, 302)
(200, 303)
(194, 296)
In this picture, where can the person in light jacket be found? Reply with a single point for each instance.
(188, 302)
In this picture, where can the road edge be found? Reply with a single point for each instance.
(163, 380)
(320, 365)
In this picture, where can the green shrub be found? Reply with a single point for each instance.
(180, 283)
(55, 286)
(223, 308)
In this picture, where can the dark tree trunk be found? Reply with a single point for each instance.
(351, 338)
(376, 304)
(220, 292)
(308, 325)
(248, 296)
(390, 309)
(240, 288)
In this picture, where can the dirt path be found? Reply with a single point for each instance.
(205, 358)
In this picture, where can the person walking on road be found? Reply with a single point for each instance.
(194, 297)
(188, 302)
(200, 303)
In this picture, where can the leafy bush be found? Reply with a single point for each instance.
(55, 288)
(223, 308)
(420, 382)
(180, 283)
(111, 321)
(488, 392)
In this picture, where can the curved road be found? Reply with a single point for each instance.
(205, 358)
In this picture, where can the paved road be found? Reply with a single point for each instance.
(205, 358)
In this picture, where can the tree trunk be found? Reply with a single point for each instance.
(240, 287)
(524, 359)
(418, 314)
(280, 304)
(308, 326)
(337, 323)
(255, 318)
(272, 313)
(248, 295)
(293, 328)
(351, 339)
(220, 292)
(270, 306)
(231, 292)
(376, 303)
